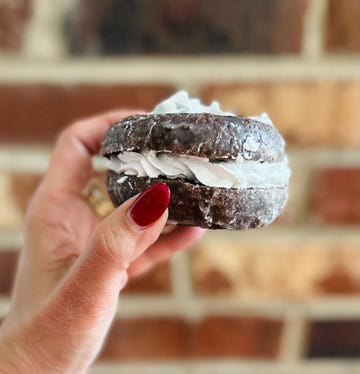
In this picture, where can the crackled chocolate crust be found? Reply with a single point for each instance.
(207, 207)
(202, 135)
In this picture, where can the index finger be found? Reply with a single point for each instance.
(70, 165)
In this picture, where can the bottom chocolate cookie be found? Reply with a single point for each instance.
(207, 207)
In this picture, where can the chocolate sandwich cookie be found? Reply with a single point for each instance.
(224, 172)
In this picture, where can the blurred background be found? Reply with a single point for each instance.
(284, 299)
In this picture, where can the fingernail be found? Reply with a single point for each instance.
(150, 205)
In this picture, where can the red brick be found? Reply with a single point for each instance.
(11, 217)
(334, 338)
(16, 190)
(146, 338)
(335, 196)
(168, 338)
(308, 113)
(214, 282)
(186, 27)
(235, 337)
(8, 261)
(339, 282)
(14, 16)
(23, 187)
(36, 113)
(157, 280)
(343, 26)
(256, 266)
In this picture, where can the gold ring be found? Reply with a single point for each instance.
(96, 194)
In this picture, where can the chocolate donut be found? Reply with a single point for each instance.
(224, 172)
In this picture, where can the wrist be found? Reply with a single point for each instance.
(8, 361)
(13, 359)
(19, 355)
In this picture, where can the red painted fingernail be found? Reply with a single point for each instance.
(150, 205)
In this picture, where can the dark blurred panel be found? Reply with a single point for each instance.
(334, 339)
(113, 27)
(8, 261)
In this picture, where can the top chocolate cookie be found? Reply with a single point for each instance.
(211, 136)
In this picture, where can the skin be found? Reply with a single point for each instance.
(73, 265)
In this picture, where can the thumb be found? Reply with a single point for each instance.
(95, 280)
(126, 233)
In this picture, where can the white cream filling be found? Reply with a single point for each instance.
(239, 173)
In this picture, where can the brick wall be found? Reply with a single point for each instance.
(281, 300)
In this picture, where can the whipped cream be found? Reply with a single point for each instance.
(180, 102)
(239, 173)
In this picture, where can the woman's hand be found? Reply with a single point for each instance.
(73, 265)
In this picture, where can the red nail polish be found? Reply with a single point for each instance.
(150, 205)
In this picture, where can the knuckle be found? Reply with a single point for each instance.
(68, 133)
(113, 245)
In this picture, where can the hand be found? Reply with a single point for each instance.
(73, 265)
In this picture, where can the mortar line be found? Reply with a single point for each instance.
(4, 305)
(14, 239)
(44, 37)
(181, 276)
(314, 29)
(227, 366)
(293, 337)
(11, 239)
(27, 159)
(182, 285)
(165, 306)
(190, 71)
